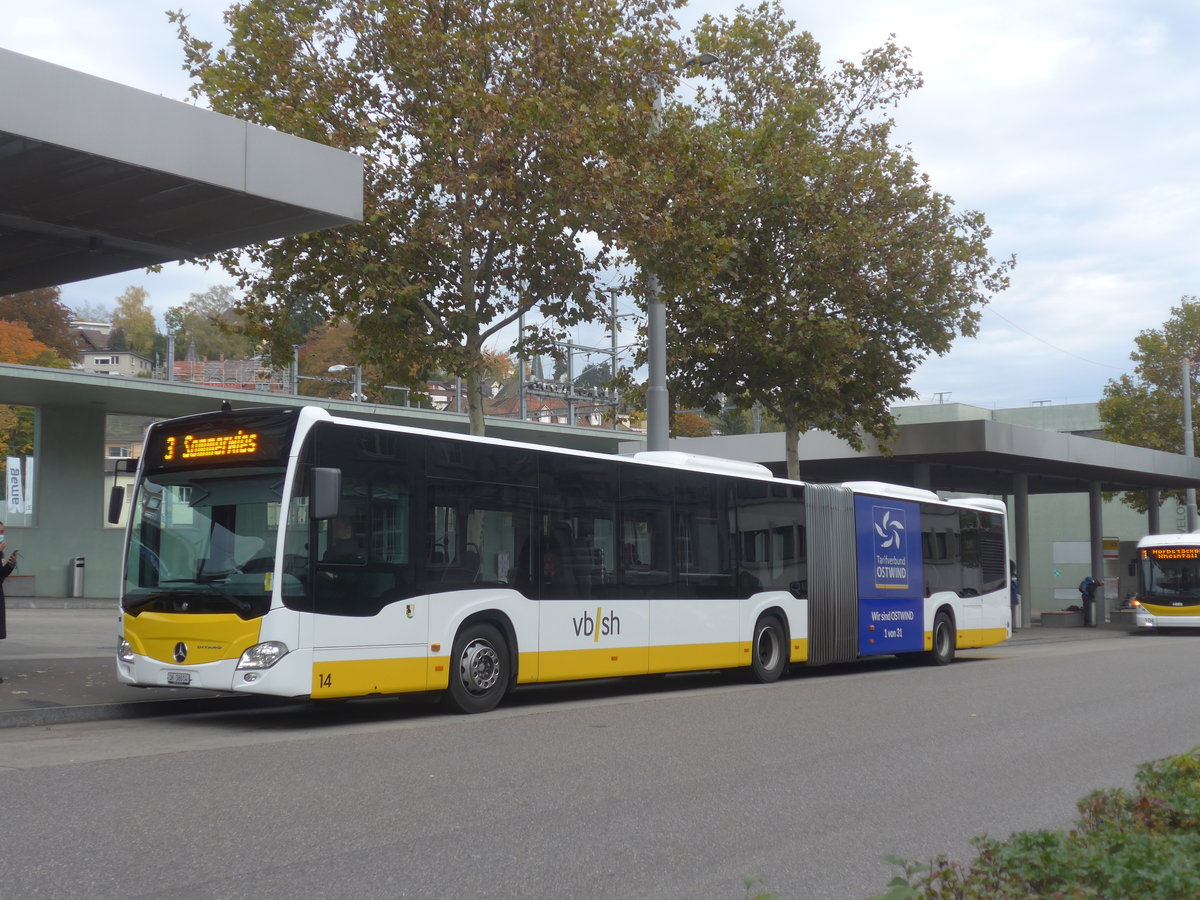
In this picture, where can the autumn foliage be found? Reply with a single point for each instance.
(18, 345)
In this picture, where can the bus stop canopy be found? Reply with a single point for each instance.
(979, 456)
(98, 178)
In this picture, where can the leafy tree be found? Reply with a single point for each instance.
(844, 268)
(595, 375)
(135, 320)
(212, 319)
(690, 424)
(16, 430)
(592, 375)
(93, 312)
(18, 345)
(497, 366)
(48, 319)
(1145, 409)
(330, 347)
(496, 134)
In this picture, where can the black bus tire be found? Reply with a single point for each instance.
(768, 651)
(942, 653)
(480, 670)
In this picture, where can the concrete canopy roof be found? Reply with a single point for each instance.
(98, 178)
(114, 394)
(975, 457)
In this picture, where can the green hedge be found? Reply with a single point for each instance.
(1139, 845)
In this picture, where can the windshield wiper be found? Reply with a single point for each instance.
(217, 588)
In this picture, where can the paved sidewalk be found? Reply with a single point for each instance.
(58, 666)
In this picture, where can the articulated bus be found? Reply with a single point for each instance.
(1168, 578)
(298, 554)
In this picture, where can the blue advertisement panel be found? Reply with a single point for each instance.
(891, 582)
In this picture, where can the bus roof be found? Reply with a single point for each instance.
(673, 459)
(1170, 540)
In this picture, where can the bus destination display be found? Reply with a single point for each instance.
(218, 445)
(1171, 552)
(220, 440)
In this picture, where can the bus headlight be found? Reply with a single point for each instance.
(263, 656)
(124, 651)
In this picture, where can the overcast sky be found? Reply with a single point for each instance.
(1073, 126)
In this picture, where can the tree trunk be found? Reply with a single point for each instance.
(475, 401)
(792, 440)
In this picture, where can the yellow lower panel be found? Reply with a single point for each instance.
(1171, 610)
(698, 657)
(206, 637)
(799, 650)
(358, 677)
(438, 678)
(569, 665)
(527, 670)
(976, 637)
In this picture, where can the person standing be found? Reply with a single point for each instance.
(6, 569)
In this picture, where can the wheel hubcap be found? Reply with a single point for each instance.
(479, 667)
(768, 648)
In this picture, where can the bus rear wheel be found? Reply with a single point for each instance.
(942, 653)
(768, 653)
(480, 671)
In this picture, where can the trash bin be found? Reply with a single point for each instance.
(75, 576)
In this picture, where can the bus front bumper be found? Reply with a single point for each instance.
(291, 676)
(1144, 619)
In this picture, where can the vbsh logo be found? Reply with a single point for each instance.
(606, 625)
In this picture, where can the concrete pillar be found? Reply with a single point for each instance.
(69, 505)
(1153, 502)
(1095, 613)
(1020, 512)
(921, 477)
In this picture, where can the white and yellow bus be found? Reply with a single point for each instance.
(1168, 573)
(298, 554)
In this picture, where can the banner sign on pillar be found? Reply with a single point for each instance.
(29, 486)
(16, 495)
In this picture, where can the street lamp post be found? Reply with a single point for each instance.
(357, 395)
(1188, 440)
(658, 400)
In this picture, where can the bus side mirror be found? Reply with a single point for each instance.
(116, 502)
(1133, 566)
(326, 493)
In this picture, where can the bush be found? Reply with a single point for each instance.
(1140, 845)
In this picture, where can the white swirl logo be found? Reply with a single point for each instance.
(888, 530)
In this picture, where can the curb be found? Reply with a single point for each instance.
(138, 709)
(61, 603)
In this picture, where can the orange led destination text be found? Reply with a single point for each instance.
(1174, 552)
(208, 447)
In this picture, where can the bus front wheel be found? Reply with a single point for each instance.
(768, 653)
(480, 670)
(942, 653)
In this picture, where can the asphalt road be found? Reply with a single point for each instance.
(671, 789)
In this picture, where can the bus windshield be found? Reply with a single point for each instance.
(204, 542)
(1170, 576)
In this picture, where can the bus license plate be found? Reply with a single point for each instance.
(180, 678)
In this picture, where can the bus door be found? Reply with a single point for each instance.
(694, 622)
(592, 570)
(369, 628)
